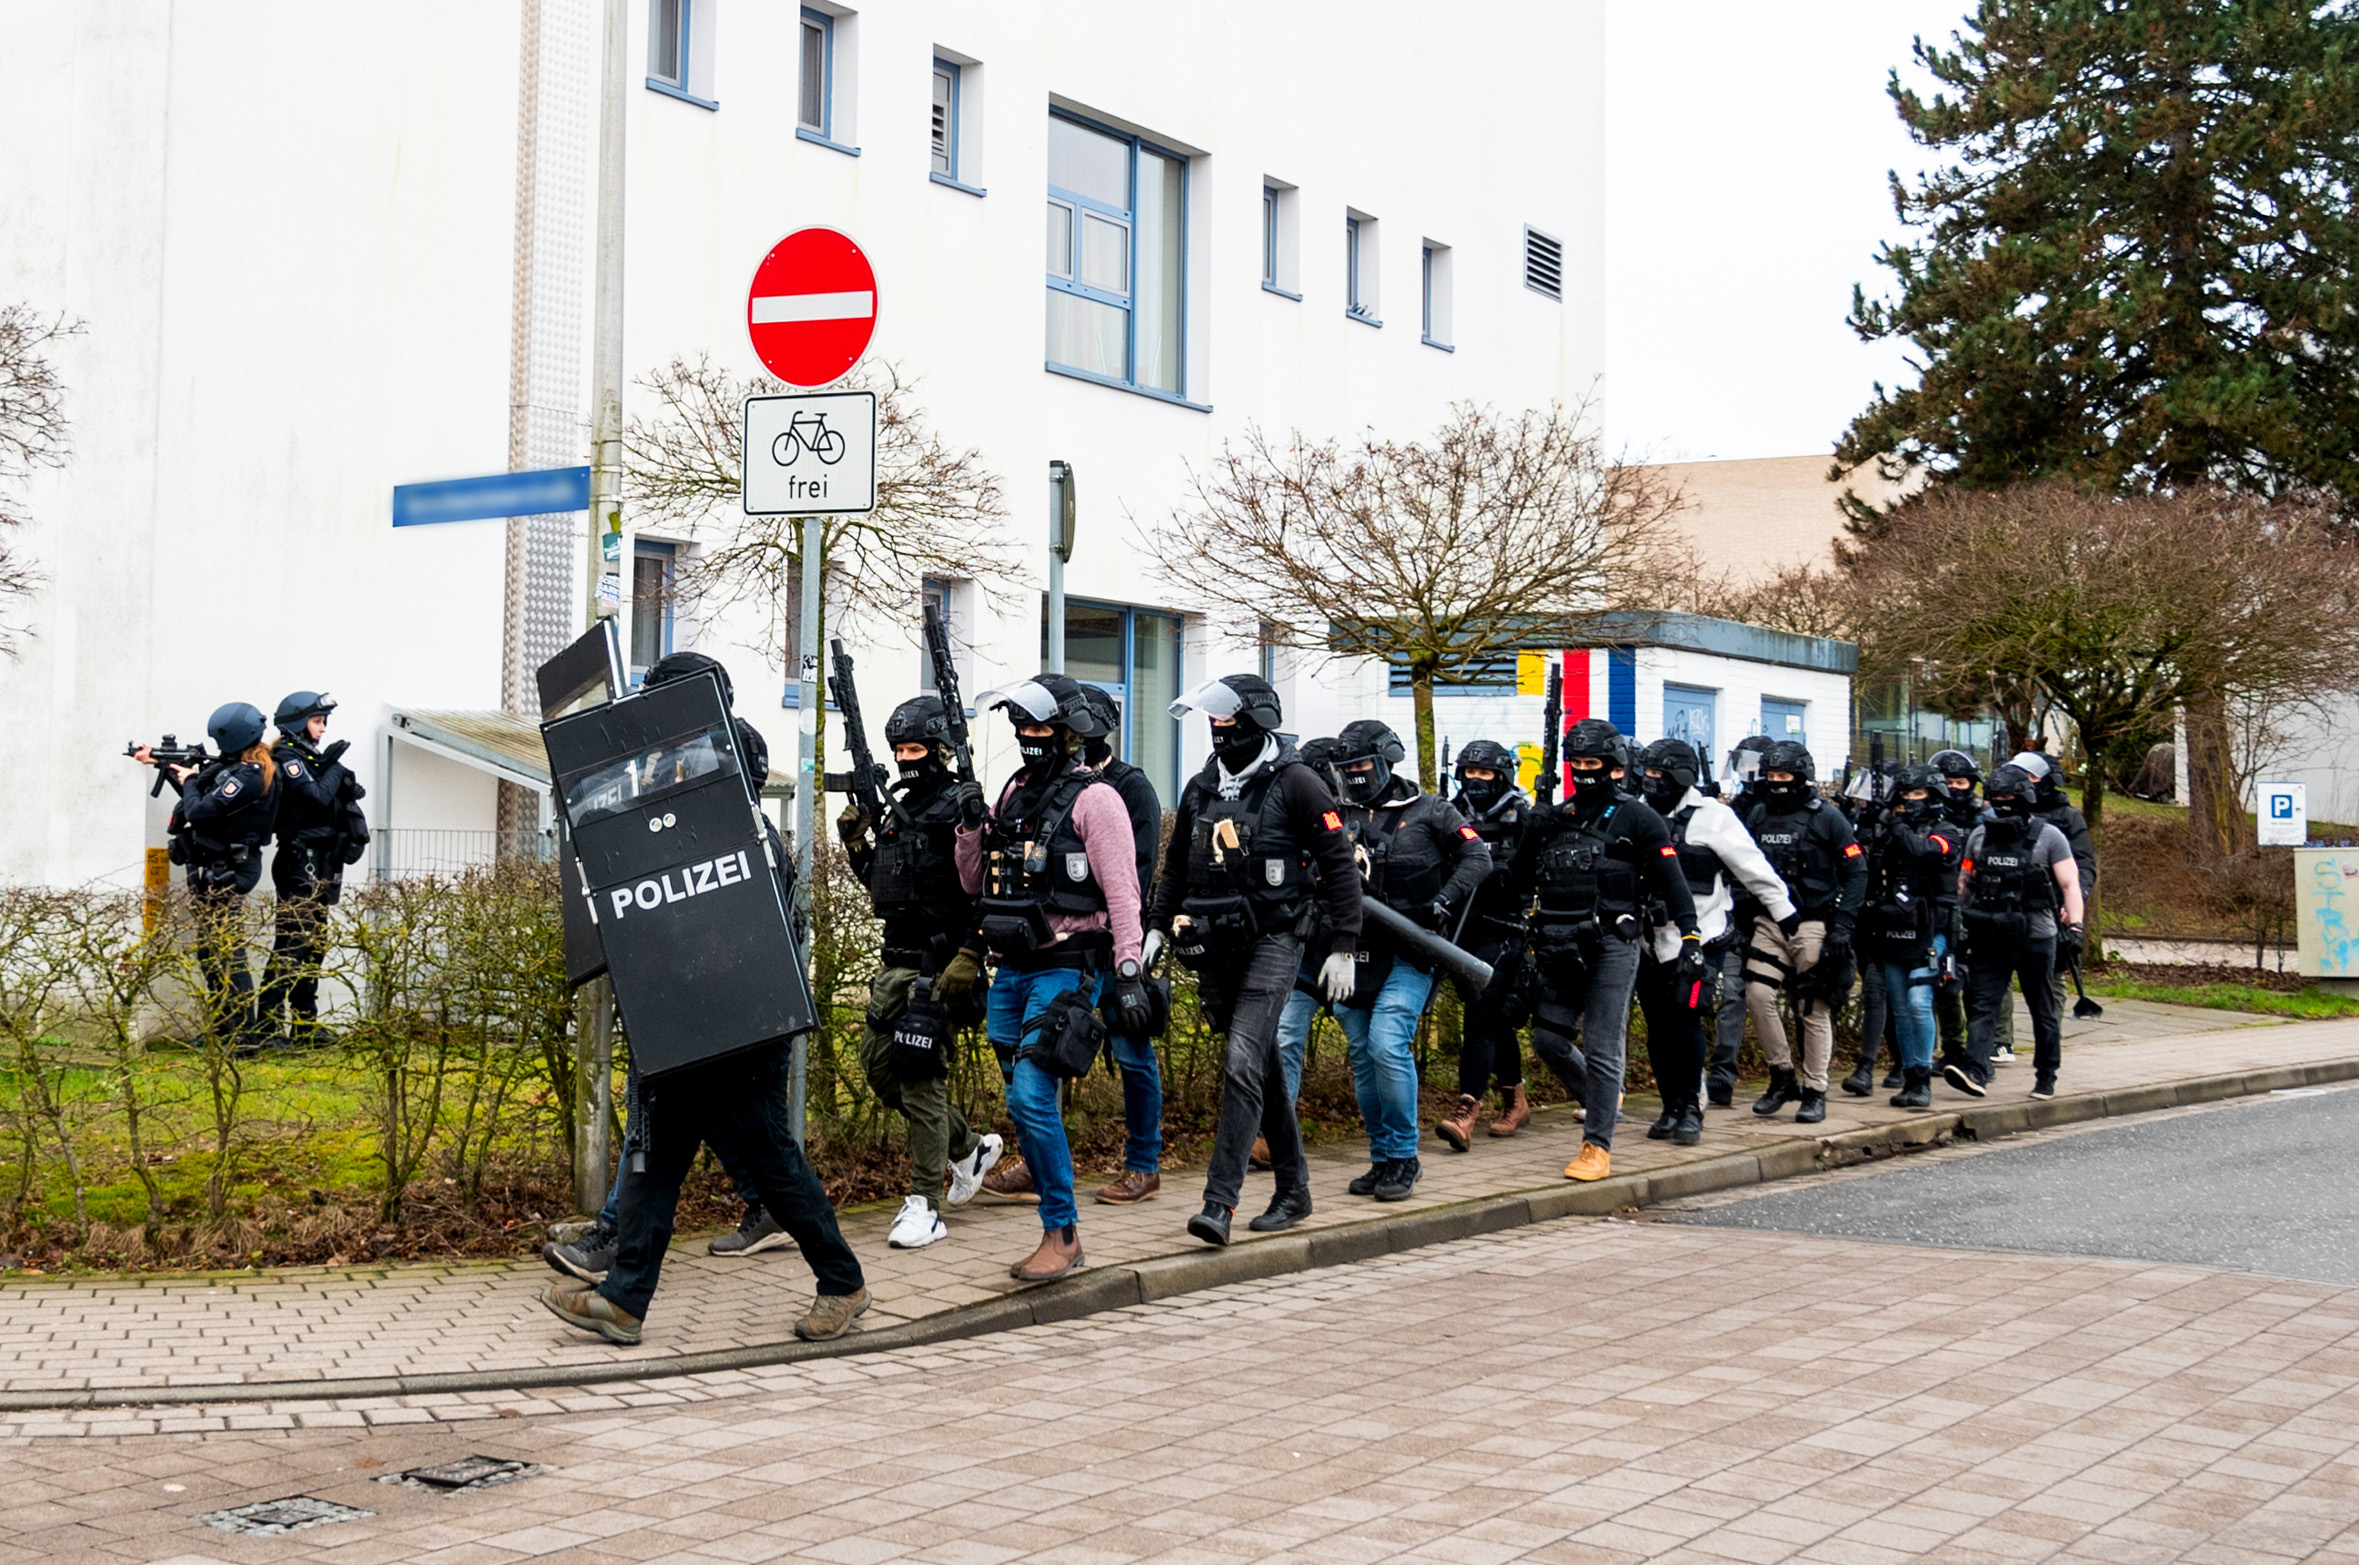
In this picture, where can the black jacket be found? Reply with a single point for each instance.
(2065, 818)
(1638, 853)
(315, 795)
(222, 823)
(1146, 814)
(1815, 853)
(1313, 819)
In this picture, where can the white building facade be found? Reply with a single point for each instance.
(297, 245)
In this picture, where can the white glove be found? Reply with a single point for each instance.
(1339, 977)
(1150, 949)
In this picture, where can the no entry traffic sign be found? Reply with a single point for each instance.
(812, 307)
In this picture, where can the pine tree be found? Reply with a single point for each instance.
(2137, 267)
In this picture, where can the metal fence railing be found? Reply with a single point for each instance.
(400, 851)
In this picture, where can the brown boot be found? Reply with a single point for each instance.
(1261, 1153)
(1514, 1115)
(1458, 1129)
(1059, 1253)
(1134, 1186)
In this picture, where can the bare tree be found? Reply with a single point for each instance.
(1437, 556)
(2119, 609)
(939, 511)
(33, 431)
(1804, 598)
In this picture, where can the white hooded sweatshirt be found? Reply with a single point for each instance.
(1714, 827)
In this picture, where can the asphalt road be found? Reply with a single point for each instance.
(2268, 1185)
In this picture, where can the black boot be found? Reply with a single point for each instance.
(1690, 1128)
(1212, 1224)
(1722, 1093)
(1783, 1089)
(1287, 1208)
(1916, 1091)
(1661, 1129)
(1895, 1077)
(1862, 1081)
(1813, 1109)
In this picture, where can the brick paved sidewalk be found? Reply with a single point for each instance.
(317, 1324)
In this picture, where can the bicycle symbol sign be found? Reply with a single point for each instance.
(810, 455)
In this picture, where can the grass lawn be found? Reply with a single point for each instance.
(2308, 1004)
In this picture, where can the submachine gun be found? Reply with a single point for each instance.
(170, 753)
(1551, 739)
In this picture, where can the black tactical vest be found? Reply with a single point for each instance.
(2009, 881)
(1699, 864)
(1802, 855)
(1267, 867)
(1036, 857)
(915, 874)
(1405, 867)
(1578, 880)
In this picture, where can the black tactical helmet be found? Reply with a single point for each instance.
(1319, 756)
(1490, 755)
(2010, 785)
(1109, 711)
(1955, 763)
(1368, 739)
(1676, 759)
(1247, 697)
(1054, 699)
(298, 707)
(687, 665)
(1595, 736)
(1919, 774)
(1790, 755)
(235, 728)
(920, 720)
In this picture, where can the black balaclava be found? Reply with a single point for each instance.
(1484, 796)
(1238, 744)
(1593, 791)
(1045, 752)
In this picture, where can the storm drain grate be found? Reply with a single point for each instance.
(275, 1518)
(468, 1472)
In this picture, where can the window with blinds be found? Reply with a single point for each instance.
(945, 123)
(1543, 263)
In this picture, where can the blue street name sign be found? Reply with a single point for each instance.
(500, 494)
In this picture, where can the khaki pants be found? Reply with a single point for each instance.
(1762, 992)
(938, 1133)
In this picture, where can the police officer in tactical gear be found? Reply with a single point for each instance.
(1678, 972)
(320, 830)
(1961, 804)
(738, 1107)
(1904, 924)
(1055, 863)
(1590, 861)
(1491, 1051)
(909, 863)
(1422, 859)
(1134, 1053)
(1257, 848)
(1728, 1024)
(1807, 954)
(227, 810)
(2049, 803)
(2019, 872)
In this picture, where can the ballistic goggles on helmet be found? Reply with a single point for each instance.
(1214, 698)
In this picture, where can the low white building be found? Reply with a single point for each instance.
(337, 249)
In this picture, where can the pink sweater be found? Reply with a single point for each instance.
(1103, 825)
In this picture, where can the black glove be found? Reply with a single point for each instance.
(2070, 941)
(1444, 916)
(1691, 971)
(335, 752)
(971, 808)
(1837, 950)
(1131, 1005)
(1788, 924)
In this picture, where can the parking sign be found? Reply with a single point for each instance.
(2283, 811)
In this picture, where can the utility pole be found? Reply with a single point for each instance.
(594, 1056)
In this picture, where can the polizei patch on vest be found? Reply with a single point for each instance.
(678, 885)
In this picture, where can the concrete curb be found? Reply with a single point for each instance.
(1162, 1277)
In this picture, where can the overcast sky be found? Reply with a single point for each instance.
(1746, 151)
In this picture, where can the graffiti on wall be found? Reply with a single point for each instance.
(2326, 911)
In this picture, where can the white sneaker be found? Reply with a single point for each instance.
(966, 1175)
(2002, 1054)
(917, 1226)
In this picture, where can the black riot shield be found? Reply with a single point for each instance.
(677, 871)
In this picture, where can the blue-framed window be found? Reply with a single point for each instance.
(1492, 675)
(1133, 654)
(1434, 297)
(679, 55)
(1359, 268)
(945, 119)
(815, 98)
(652, 567)
(1117, 257)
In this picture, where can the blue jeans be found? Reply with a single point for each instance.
(1017, 996)
(1909, 992)
(1142, 1103)
(1294, 1035)
(1383, 1041)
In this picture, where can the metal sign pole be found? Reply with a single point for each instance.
(808, 775)
(1060, 549)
